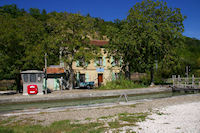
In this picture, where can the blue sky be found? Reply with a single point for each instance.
(110, 10)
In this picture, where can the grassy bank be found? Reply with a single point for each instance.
(121, 83)
(109, 123)
(64, 126)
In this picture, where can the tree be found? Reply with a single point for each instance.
(70, 33)
(12, 10)
(150, 33)
(20, 37)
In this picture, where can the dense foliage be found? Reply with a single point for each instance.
(149, 40)
(25, 37)
(150, 34)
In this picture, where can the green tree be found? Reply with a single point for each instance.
(70, 33)
(150, 33)
(20, 38)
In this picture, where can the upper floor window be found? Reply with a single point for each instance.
(100, 61)
(117, 62)
(82, 62)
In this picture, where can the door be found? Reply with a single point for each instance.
(100, 79)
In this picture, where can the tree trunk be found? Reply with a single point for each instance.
(71, 77)
(152, 75)
(17, 81)
(127, 72)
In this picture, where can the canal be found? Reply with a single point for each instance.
(12, 107)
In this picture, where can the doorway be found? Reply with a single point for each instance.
(100, 79)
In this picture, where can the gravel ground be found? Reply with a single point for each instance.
(184, 118)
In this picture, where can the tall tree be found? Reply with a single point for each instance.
(70, 33)
(19, 40)
(150, 33)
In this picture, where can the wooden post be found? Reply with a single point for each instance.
(199, 83)
(179, 79)
(173, 80)
(193, 81)
(61, 83)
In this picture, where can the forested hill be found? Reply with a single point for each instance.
(26, 35)
(191, 54)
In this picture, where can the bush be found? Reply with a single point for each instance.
(121, 83)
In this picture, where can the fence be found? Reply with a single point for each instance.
(186, 82)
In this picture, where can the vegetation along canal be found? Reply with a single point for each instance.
(8, 108)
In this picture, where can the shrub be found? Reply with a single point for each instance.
(121, 83)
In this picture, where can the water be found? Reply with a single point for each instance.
(6, 108)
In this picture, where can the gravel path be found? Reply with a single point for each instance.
(184, 118)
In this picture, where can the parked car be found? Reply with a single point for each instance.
(88, 85)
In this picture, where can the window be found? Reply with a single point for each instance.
(39, 77)
(82, 62)
(32, 77)
(25, 76)
(82, 77)
(100, 61)
(116, 62)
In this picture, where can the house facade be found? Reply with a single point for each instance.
(101, 70)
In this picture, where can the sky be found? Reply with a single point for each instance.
(110, 10)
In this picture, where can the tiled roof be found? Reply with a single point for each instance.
(55, 70)
(99, 42)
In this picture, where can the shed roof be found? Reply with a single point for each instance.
(55, 70)
(31, 71)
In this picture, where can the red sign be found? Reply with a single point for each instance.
(32, 89)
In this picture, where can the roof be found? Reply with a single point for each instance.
(31, 71)
(99, 42)
(55, 70)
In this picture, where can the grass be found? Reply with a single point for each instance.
(114, 124)
(133, 118)
(121, 83)
(88, 119)
(16, 125)
(64, 126)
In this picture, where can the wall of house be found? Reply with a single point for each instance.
(92, 70)
(53, 84)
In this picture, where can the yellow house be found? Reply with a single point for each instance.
(101, 70)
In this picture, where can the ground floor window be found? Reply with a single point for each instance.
(82, 78)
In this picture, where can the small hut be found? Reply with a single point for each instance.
(32, 82)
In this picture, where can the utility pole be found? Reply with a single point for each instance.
(45, 58)
(187, 71)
